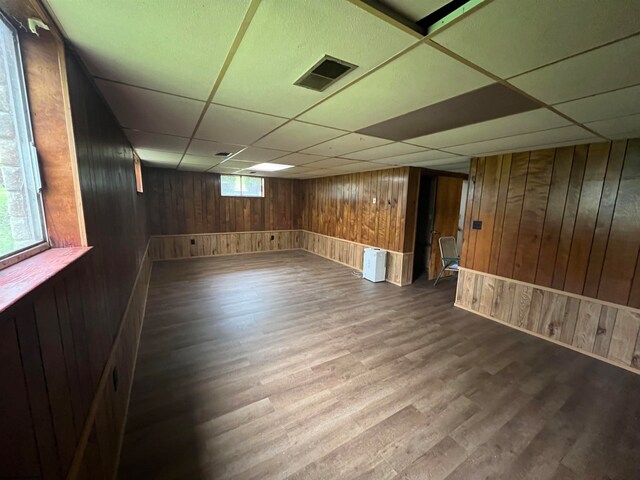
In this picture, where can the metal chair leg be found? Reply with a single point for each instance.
(438, 277)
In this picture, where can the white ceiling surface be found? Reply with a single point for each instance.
(156, 74)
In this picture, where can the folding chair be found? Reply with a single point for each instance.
(449, 254)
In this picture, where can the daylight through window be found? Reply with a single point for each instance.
(241, 186)
(21, 224)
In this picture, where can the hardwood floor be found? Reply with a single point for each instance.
(285, 365)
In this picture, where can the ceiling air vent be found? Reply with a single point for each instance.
(324, 73)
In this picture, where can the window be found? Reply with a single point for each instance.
(21, 220)
(138, 171)
(241, 186)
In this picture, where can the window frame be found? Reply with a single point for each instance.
(28, 158)
(262, 193)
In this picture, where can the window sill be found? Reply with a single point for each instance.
(20, 279)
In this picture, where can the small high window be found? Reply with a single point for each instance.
(241, 186)
(21, 217)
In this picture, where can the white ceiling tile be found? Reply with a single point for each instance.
(233, 163)
(390, 150)
(352, 142)
(260, 155)
(158, 155)
(205, 148)
(412, 158)
(527, 141)
(415, 10)
(155, 141)
(444, 164)
(604, 106)
(535, 120)
(176, 47)
(298, 135)
(232, 125)
(331, 163)
(299, 159)
(421, 77)
(359, 167)
(285, 39)
(509, 37)
(617, 128)
(142, 109)
(198, 160)
(604, 69)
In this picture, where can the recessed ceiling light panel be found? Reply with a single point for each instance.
(270, 167)
(324, 73)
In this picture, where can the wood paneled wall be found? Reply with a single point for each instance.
(399, 265)
(60, 339)
(599, 329)
(342, 207)
(187, 202)
(565, 218)
(169, 247)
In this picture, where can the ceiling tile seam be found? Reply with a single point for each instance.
(496, 78)
(531, 148)
(443, 149)
(607, 44)
(155, 133)
(613, 90)
(244, 26)
(148, 89)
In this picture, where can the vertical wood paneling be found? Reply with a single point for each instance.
(624, 239)
(569, 216)
(486, 214)
(534, 207)
(342, 207)
(191, 203)
(596, 328)
(512, 214)
(563, 218)
(583, 232)
(554, 215)
(500, 210)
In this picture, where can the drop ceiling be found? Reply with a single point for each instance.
(188, 80)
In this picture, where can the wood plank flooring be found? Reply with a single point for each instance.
(285, 365)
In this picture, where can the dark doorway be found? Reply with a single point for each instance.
(424, 224)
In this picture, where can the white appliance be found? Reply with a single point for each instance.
(375, 264)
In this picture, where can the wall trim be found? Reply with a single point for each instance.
(145, 268)
(603, 330)
(555, 290)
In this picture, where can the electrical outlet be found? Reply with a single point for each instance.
(193, 241)
(374, 200)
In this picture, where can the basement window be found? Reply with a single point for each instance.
(241, 186)
(21, 215)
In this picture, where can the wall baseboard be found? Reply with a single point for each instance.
(603, 330)
(104, 427)
(345, 252)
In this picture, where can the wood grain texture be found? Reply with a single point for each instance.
(46, 80)
(189, 202)
(597, 328)
(565, 218)
(167, 247)
(67, 326)
(388, 224)
(358, 380)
